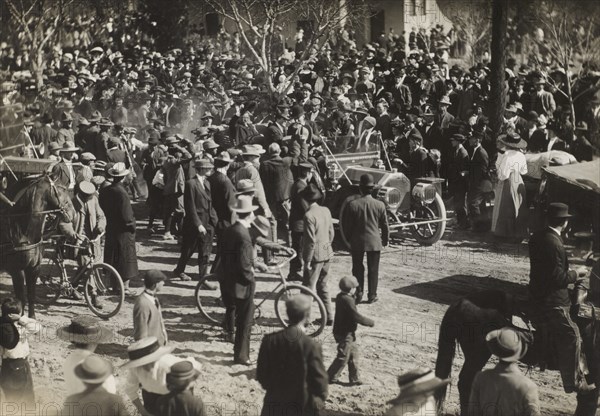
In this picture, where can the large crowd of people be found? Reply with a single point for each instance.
(218, 157)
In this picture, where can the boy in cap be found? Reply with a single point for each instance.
(93, 372)
(147, 315)
(504, 388)
(181, 400)
(290, 366)
(85, 334)
(346, 321)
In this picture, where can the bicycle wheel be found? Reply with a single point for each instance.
(104, 291)
(209, 301)
(318, 315)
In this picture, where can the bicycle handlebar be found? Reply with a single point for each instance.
(287, 260)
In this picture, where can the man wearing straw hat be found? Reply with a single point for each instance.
(85, 334)
(63, 172)
(504, 389)
(148, 364)
(237, 277)
(93, 372)
(417, 388)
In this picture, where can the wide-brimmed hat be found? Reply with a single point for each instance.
(445, 100)
(96, 116)
(505, 344)
(66, 105)
(94, 370)
(262, 224)
(311, 193)
(418, 382)
(171, 140)
(84, 122)
(118, 169)
(85, 329)
(252, 150)
(203, 164)
(69, 146)
(366, 180)
(145, 351)
(105, 122)
(513, 140)
(243, 204)
(181, 374)
(201, 132)
(511, 109)
(223, 158)
(245, 187)
(558, 210)
(458, 137)
(209, 144)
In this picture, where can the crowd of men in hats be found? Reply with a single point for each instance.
(221, 161)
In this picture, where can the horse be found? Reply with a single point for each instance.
(467, 322)
(21, 232)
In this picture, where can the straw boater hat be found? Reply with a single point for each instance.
(418, 382)
(69, 146)
(243, 204)
(145, 351)
(85, 329)
(513, 140)
(118, 169)
(94, 370)
(262, 225)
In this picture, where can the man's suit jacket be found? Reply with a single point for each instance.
(147, 319)
(116, 155)
(222, 193)
(277, 179)
(504, 390)
(458, 163)
(104, 403)
(237, 265)
(384, 125)
(318, 234)
(299, 206)
(198, 206)
(274, 134)
(290, 368)
(43, 135)
(544, 103)
(364, 216)
(479, 176)
(61, 175)
(248, 171)
(549, 274)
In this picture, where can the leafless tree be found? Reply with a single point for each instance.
(37, 22)
(257, 22)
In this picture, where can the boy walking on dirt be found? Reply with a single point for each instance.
(345, 323)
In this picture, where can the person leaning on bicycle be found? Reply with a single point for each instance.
(88, 222)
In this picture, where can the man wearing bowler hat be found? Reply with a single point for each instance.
(364, 217)
(548, 280)
(504, 389)
(199, 221)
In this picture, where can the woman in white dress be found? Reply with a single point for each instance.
(509, 218)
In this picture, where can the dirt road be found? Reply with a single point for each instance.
(416, 286)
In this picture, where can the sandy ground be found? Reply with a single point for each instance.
(416, 286)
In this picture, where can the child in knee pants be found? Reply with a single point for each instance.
(346, 321)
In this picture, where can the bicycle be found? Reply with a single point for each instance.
(103, 288)
(211, 305)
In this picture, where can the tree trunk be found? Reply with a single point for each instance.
(497, 93)
(37, 67)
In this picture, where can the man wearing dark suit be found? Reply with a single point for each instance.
(384, 122)
(479, 180)
(114, 154)
(543, 101)
(44, 135)
(276, 175)
(147, 315)
(93, 371)
(63, 172)
(548, 280)
(236, 274)
(290, 367)
(317, 251)
(222, 193)
(457, 178)
(276, 130)
(363, 218)
(199, 221)
(299, 206)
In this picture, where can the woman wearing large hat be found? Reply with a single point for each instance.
(509, 217)
(119, 248)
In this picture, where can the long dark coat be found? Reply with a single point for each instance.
(119, 249)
